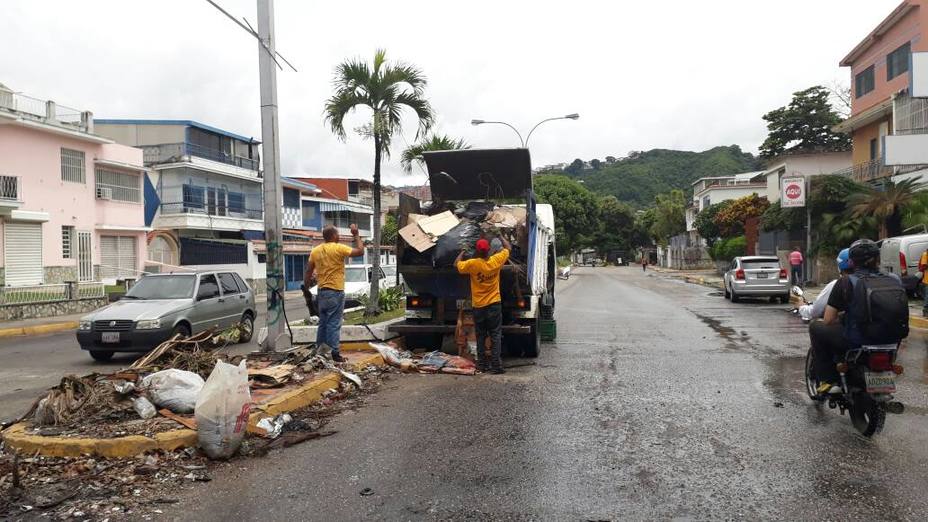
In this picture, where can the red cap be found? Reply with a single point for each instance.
(483, 245)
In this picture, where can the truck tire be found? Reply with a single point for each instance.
(427, 341)
(531, 343)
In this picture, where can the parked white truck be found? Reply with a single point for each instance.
(435, 294)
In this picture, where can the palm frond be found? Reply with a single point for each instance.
(339, 106)
(430, 143)
(405, 74)
(422, 108)
(352, 75)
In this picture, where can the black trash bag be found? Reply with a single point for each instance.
(462, 237)
(477, 210)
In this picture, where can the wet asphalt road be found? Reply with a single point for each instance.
(659, 400)
(30, 365)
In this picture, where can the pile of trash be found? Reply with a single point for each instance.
(432, 362)
(438, 235)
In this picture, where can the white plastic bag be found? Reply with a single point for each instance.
(144, 408)
(222, 410)
(176, 390)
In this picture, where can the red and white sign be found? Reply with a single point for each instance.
(792, 192)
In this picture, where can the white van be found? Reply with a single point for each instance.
(899, 255)
(358, 282)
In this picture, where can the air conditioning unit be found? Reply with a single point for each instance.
(104, 193)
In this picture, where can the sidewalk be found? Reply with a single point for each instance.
(64, 323)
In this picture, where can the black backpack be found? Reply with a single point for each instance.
(879, 310)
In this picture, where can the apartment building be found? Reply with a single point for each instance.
(881, 98)
(71, 200)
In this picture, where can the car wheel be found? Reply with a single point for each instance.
(727, 294)
(248, 328)
(734, 297)
(101, 355)
(181, 329)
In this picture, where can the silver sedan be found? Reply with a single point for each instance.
(756, 276)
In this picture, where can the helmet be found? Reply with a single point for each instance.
(844, 259)
(863, 250)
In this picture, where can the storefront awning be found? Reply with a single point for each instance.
(344, 206)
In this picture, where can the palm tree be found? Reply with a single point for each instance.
(429, 144)
(886, 203)
(387, 90)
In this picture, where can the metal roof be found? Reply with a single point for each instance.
(186, 123)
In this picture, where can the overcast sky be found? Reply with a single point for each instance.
(677, 74)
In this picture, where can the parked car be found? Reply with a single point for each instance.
(899, 255)
(358, 282)
(159, 306)
(756, 276)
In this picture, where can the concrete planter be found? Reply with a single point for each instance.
(352, 333)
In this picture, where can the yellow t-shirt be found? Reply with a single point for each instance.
(923, 261)
(329, 259)
(484, 278)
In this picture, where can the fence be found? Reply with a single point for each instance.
(37, 294)
(9, 188)
(167, 152)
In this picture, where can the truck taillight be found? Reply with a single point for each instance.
(739, 274)
(418, 301)
(522, 303)
(903, 266)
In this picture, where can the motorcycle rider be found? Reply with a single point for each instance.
(830, 339)
(816, 310)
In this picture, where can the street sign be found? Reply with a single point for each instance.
(793, 192)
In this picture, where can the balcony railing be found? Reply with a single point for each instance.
(171, 152)
(46, 111)
(874, 169)
(212, 211)
(9, 188)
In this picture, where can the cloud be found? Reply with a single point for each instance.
(642, 75)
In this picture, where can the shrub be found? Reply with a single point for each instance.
(389, 299)
(728, 249)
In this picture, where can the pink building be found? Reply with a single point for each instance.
(71, 202)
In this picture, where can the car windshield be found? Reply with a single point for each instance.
(389, 271)
(162, 287)
(749, 264)
(356, 275)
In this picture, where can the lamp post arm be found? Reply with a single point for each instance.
(539, 123)
(513, 129)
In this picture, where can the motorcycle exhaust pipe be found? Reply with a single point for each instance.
(894, 407)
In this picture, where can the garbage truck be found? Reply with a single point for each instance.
(491, 188)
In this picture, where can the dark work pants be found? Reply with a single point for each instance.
(797, 274)
(828, 347)
(488, 322)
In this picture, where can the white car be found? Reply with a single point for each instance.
(358, 282)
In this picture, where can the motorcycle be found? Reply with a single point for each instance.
(868, 381)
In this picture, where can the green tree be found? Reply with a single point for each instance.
(705, 222)
(916, 213)
(431, 143)
(387, 91)
(575, 167)
(596, 164)
(804, 125)
(576, 210)
(617, 225)
(731, 218)
(389, 231)
(886, 203)
(670, 216)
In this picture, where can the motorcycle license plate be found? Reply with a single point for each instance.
(881, 382)
(762, 275)
(109, 337)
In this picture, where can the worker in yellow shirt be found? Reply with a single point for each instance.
(327, 264)
(923, 268)
(484, 271)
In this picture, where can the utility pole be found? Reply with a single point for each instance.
(273, 195)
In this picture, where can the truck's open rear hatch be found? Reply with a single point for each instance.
(472, 174)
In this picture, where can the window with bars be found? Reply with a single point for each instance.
(118, 186)
(72, 166)
(67, 242)
(897, 62)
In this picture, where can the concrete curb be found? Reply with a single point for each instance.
(16, 437)
(38, 329)
(350, 333)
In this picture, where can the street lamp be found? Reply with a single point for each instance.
(524, 142)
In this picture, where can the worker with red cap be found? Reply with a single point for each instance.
(484, 270)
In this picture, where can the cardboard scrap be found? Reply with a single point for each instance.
(187, 422)
(438, 224)
(272, 376)
(414, 218)
(416, 238)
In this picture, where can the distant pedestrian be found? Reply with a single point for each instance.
(327, 265)
(795, 263)
(644, 264)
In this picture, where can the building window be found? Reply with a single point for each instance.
(236, 203)
(874, 149)
(897, 62)
(864, 82)
(193, 197)
(72, 165)
(291, 198)
(119, 186)
(67, 242)
(309, 212)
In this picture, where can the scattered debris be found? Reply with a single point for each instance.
(174, 389)
(778, 404)
(432, 362)
(274, 426)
